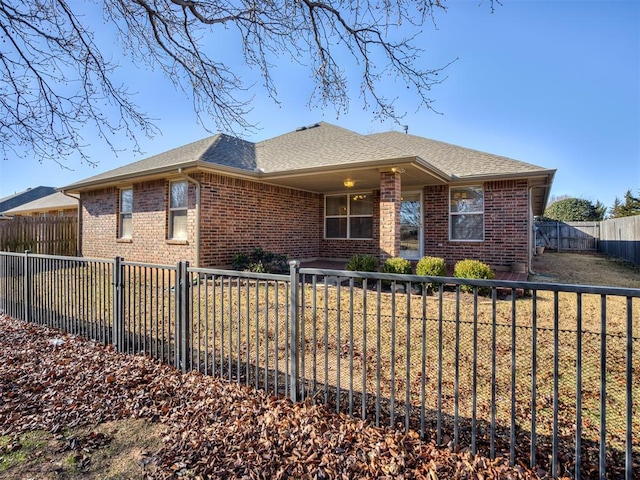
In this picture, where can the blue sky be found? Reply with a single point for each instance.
(553, 83)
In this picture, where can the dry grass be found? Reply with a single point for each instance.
(585, 269)
(413, 347)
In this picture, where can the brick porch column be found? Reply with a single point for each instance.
(390, 190)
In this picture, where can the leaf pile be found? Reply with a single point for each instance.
(51, 380)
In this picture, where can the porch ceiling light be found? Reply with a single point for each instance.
(398, 170)
(349, 183)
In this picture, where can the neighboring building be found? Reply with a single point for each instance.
(321, 192)
(55, 205)
(23, 197)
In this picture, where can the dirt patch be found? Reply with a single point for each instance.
(121, 449)
(584, 269)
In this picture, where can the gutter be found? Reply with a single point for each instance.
(79, 232)
(530, 245)
(197, 184)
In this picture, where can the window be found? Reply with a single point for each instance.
(349, 216)
(126, 208)
(466, 213)
(178, 196)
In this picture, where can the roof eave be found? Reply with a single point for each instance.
(339, 167)
(157, 173)
(506, 176)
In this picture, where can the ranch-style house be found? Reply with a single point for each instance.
(320, 192)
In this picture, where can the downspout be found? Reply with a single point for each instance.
(79, 228)
(197, 184)
(530, 245)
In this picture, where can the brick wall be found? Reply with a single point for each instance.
(505, 226)
(239, 215)
(148, 241)
(390, 195)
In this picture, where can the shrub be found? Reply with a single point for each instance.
(473, 269)
(260, 261)
(431, 267)
(240, 262)
(362, 263)
(397, 265)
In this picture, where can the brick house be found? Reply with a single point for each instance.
(320, 192)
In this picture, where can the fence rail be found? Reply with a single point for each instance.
(539, 373)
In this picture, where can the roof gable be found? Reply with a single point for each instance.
(219, 149)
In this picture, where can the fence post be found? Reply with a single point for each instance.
(294, 360)
(118, 306)
(182, 315)
(27, 287)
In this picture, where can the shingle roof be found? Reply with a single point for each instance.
(219, 149)
(455, 161)
(55, 201)
(322, 145)
(23, 197)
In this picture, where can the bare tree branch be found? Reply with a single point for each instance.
(56, 80)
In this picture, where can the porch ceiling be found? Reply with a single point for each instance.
(364, 178)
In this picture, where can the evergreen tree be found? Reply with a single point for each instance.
(631, 206)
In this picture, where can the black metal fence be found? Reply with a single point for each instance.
(541, 374)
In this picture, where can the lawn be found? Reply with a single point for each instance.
(415, 349)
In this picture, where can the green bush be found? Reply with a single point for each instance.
(431, 267)
(260, 261)
(473, 269)
(397, 265)
(362, 263)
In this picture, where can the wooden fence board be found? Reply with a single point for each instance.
(43, 235)
(568, 236)
(618, 237)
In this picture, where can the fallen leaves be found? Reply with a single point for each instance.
(213, 429)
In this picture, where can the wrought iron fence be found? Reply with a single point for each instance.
(538, 373)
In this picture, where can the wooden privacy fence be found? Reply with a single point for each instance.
(568, 236)
(618, 237)
(41, 235)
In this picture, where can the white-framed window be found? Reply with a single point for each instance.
(178, 203)
(349, 216)
(125, 222)
(466, 213)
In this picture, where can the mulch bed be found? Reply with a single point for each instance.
(51, 380)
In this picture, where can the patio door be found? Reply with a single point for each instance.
(411, 225)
